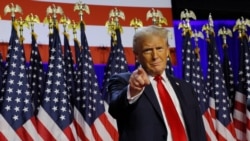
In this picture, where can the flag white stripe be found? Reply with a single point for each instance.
(224, 132)
(208, 129)
(110, 118)
(102, 130)
(129, 3)
(7, 130)
(50, 125)
(240, 97)
(80, 121)
(29, 127)
(73, 129)
(212, 102)
(92, 32)
(240, 135)
(239, 116)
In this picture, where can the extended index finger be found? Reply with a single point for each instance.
(142, 73)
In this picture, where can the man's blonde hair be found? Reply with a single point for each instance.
(144, 32)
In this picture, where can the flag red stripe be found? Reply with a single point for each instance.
(80, 132)
(248, 121)
(239, 106)
(230, 127)
(213, 113)
(68, 132)
(240, 125)
(208, 137)
(2, 137)
(33, 120)
(220, 137)
(210, 122)
(95, 133)
(23, 134)
(211, 125)
(112, 131)
(44, 133)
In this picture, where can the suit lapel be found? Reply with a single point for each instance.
(176, 88)
(150, 94)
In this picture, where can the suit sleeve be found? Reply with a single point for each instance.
(117, 88)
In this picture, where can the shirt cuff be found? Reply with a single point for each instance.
(133, 99)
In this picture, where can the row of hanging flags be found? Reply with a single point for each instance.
(64, 100)
(222, 103)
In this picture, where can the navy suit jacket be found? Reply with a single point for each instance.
(143, 120)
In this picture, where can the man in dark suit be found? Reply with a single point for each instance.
(136, 101)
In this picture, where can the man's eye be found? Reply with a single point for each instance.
(147, 51)
(159, 48)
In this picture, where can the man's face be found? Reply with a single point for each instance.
(153, 55)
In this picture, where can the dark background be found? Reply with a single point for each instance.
(220, 9)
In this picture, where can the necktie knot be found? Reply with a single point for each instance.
(158, 78)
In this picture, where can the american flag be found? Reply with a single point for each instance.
(69, 68)
(193, 74)
(203, 98)
(228, 76)
(116, 63)
(89, 111)
(55, 115)
(240, 112)
(17, 113)
(36, 73)
(187, 58)
(219, 99)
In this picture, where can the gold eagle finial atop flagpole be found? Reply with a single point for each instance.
(74, 26)
(116, 14)
(136, 23)
(113, 24)
(13, 8)
(21, 23)
(48, 20)
(185, 17)
(31, 19)
(81, 7)
(157, 17)
(224, 32)
(196, 35)
(53, 11)
(241, 25)
(209, 27)
(65, 21)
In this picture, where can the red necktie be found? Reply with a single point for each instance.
(174, 122)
